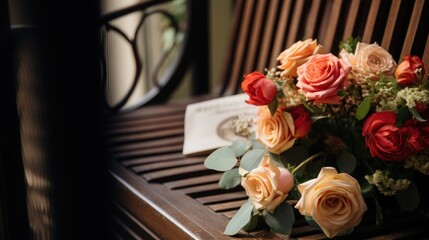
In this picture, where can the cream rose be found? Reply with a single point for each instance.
(370, 61)
(267, 185)
(296, 55)
(333, 200)
(276, 133)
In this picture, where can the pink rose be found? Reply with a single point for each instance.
(384, 139)
(322, 77)
(260, 89)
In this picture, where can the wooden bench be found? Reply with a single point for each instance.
(160, 194)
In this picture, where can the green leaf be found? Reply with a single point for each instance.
(240, 146)
(251, 159)
(417, 115)
(350, 44)
(346, 162)
(409, 198)
(402, 114)
(282, 219)
(366, 188)
(341, 93)
(253, 223)
(378, 213)
(240, 219)
(258, 145)
(230, 179)
(363, 108)
(276, 159)
(294, 156)
(221, 159)
(273, 106)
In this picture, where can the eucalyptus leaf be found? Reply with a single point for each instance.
(253, 223)
(258, 145)
(251, 159)
(240, 146)
(346, 162)
(282, 219)
(276, 158)
(408, 199)
(221, 159)
(240, 219)
(363, 108)
(230, 179)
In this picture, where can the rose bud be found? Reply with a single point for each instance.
(260, 89)
(410, 71)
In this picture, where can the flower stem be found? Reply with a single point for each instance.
(307, 161)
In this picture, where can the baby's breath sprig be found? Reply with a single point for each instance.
(386, 185)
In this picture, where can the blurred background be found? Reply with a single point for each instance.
(55, 62)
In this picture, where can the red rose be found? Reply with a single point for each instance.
(260, 89)
(423, 110)
(419, 135)
(409, 71)
(301, 120)
(414, 140)
(384, 139)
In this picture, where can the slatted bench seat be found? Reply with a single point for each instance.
(160, 194)
(157, 193)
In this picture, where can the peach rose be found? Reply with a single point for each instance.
(267, 185)
(276, 133)
(322, 77)
(410, 71)
(296, 55)
(333, 200)
(370, 61)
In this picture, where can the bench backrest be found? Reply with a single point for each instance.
(262, 29)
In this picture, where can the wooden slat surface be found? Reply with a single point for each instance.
(292, 34)
(412, 27)
(268, 35)
(370, 21)
(282, 30)
(162, 189)
(351, 19)
(391, 22)
(255, 36)
(183, 186)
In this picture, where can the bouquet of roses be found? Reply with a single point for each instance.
(332, 134)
